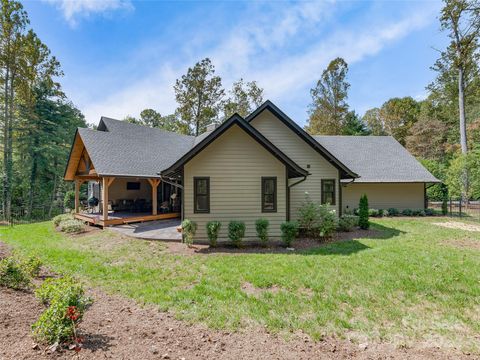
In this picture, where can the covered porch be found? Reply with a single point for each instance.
(124, 200)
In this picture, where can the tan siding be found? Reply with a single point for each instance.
(235, 163)
(384, 196)
(118, 190)
(303, 154)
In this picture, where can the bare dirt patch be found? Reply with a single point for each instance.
(458, 225)
(118, 328)
(465, 243)
(252, 290)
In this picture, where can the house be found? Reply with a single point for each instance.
(244, 169)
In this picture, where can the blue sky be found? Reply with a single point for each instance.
(122, 56)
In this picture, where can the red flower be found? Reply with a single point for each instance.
(73, 313)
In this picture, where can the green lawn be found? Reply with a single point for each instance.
(412, 285)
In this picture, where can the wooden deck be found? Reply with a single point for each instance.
(122, 218)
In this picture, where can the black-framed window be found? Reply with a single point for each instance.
(269, 194)
(328, 191)
(201, 194)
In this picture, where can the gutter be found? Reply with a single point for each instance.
(298, 182)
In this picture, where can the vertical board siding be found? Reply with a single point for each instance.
(383, 196)
(303, 154)
(235, 163)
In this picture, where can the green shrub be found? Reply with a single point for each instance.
(213, 228)
(236, 232)
(66, 305)
(363, 213)
(63, 217)
(407, 212)
(327, 223)
(69, 200)
(393, 212)
(13, 274)
(31, 265)
(261, 225)
(429, 212)
(289, 232)
(381, 212)
(309, 216)
(418, 212)
(189, 228)
(72, 226)
(373, 213)
(347, 222)
(385, 213)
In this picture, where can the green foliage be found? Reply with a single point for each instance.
(354, 125)
(13, 275)
(261, 225)
(154, 119)
(363, 213)
(328, 222)
(329, 108)
(69, 200)
(72, 226)
(454, 177)
(189, 228)
(289, 231)
(308, 216)
(31, 264)
(60, 218)
(429, 212)
(347, 222)
(393, 212)
(407, 212)
(60, 295)
(244, 98)
(236, 232)
(373, 213)
(444, 199)
(213, 228)
(199, 96)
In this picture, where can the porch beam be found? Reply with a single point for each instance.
(105, 184)
(154, 184)
(78, 184)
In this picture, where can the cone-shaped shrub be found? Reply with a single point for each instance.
(363, 213)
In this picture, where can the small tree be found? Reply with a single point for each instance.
(363, 213)
(261, 225)
(309, 216)
(213, 228)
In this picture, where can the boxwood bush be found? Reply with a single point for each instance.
(289, 232)
(261, 225)
(213, 228)
(236, 232)
(189, 229)
(73, 226)
(347, 222)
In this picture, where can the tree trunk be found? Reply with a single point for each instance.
(6, 180)
(461, 110)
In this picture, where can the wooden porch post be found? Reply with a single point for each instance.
(78, 183)
(154, 183)
(106, 182)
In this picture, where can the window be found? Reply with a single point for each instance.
(133, 185)
(201, 194)
(328, 191)
(269, 194)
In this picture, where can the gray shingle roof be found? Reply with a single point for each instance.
(131, 150)
(376, 158)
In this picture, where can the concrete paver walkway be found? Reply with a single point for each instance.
(155, 230)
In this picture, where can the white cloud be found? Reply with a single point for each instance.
(262, 52)
(74, 9)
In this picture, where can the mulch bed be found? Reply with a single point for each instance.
(118, 328)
